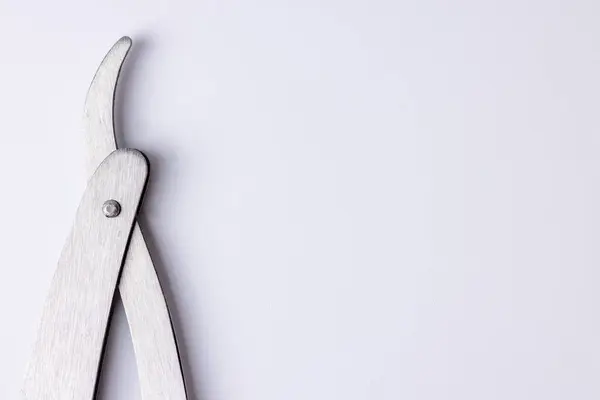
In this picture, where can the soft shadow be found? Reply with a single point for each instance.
(118, 361)
(142, 45)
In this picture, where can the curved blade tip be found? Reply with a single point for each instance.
(125, 40)
(121, 46)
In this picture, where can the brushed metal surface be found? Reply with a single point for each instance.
(98, 110)
(154, 343)
(68, 350)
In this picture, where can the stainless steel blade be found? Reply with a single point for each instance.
(68, 350)
(157, 357)
(99, 105)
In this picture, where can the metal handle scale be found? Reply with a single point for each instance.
(70, 342)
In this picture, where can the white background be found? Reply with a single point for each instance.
(373, 200)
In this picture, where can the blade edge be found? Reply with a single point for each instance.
(99, 105)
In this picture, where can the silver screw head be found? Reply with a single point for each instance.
(111, 208)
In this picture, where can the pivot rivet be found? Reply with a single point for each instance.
(111, 208)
